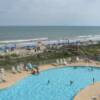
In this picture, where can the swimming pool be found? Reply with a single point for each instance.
(54, 84)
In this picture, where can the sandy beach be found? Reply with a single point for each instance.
(90, 91)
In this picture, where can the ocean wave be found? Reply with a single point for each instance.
(89, 37)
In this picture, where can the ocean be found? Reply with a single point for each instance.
(52, 32)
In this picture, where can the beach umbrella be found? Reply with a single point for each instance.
(27, 45)
(29, 65)
(10, 46)
(35, 66)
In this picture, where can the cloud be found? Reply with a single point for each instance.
(49, 12)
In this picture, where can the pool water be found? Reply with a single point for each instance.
(54, 84)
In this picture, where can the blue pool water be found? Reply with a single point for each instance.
(53, 84)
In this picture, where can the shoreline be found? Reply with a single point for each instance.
(80, 37)
(23, 40)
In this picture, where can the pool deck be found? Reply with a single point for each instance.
(11, 78)
(85, 94)
(90, 92)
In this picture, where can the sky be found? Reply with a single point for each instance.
(50, 12)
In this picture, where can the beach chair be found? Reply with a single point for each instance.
(57, 61)
(26, 68)
(2, 70)
(0, 78)
(65, 62)
(77, 59)
(18, 69)
(14, 70)
(2, 75)
(61, 61)
(22, 67)
(70, 60)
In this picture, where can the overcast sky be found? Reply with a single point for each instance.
(50, 12)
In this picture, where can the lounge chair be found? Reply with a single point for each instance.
(77, 59)
(2, 74)
(26, 68)
(2, 70)
(65, 62)
(57, 61)
(14, 70)
(21, 68)
(61, 61)
(1, 78)
(1, 81)
(18, 69)
(70, 60)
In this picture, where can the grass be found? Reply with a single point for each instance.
(51, 55)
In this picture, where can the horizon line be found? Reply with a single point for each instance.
(49, 25)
